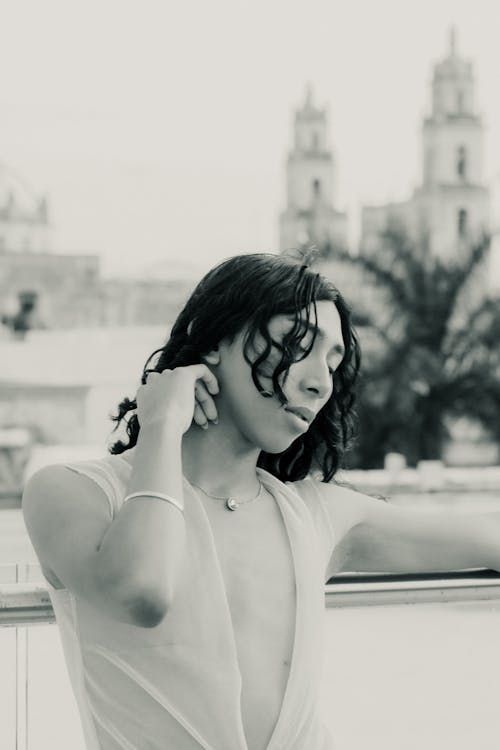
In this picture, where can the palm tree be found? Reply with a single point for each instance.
(438, 353)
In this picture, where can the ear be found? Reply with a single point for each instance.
(213, 357)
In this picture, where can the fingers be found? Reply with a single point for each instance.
(205, 406)
(206, 401)
(199, 416)
(204, 373)
(205, 386)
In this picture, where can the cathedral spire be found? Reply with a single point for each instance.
(453, 41)
(308, 100)
(310, 216)
(453, 86)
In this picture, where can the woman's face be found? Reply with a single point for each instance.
(265, 422)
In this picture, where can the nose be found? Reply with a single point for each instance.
(316, 378)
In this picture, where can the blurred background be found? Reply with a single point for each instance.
(142, 143)
(140, 146)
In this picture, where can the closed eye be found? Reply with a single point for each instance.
(336, 367)
(302, 350)
(298, 349)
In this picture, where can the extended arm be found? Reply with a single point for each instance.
(380, 537)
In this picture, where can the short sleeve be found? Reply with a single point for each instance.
(100, 473)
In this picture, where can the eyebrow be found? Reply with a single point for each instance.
(337, 348)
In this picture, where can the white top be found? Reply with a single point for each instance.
(177, 686)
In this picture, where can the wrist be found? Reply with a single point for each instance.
(161, 429)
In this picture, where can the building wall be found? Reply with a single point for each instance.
(24, 236)
(441, 143)
(56, 413)
(438, 212)
(302, 172)
(66, 286)
(68, 289)
(319, 227)
(71, 294)
(143, 301)
(377, 219)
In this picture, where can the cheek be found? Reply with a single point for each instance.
(243, 397)
(267, 366)
(237, 387)
(264, 373)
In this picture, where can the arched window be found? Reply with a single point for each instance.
(316, 188)
(462, 222)
(314, 141)
(461, 162)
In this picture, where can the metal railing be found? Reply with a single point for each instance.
(29, 604)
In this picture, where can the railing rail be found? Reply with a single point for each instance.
(355, 590)
(29, 604)
(24, 604)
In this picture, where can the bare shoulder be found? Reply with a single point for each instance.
(346, 506)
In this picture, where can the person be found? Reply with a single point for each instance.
(186, 567)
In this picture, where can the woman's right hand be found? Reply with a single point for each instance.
(179, 396)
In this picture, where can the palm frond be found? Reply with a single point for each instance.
(428, 368)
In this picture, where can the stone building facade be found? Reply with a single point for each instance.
(43, 289)
(310, 215)
(451, 206)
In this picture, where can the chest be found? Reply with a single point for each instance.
(255, 558)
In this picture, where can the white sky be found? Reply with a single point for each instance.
(159, 129)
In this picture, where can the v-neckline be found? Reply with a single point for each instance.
(269, 483)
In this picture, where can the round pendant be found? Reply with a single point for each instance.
(231, 503)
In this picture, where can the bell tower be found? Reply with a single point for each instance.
(453, 200)
(310, 217)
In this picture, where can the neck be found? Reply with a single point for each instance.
(220, 461)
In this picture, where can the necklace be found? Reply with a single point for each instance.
(232, 503)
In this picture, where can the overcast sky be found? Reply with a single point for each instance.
(160, 129)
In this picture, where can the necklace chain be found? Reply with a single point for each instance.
(231, 502)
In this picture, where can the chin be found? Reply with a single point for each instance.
(268, 442)
(278, 445)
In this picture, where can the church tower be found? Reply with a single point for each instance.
(310, 217)
(452, 201)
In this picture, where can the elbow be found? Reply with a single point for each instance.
(145, 604)
(147, 611)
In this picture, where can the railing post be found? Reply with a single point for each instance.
(22, 570)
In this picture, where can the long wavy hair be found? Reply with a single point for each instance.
(245, 292)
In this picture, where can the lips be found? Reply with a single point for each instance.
(303, 412)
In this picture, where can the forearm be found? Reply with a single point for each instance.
(142, 548)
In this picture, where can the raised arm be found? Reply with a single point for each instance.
(127, 566)
(377, 536)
